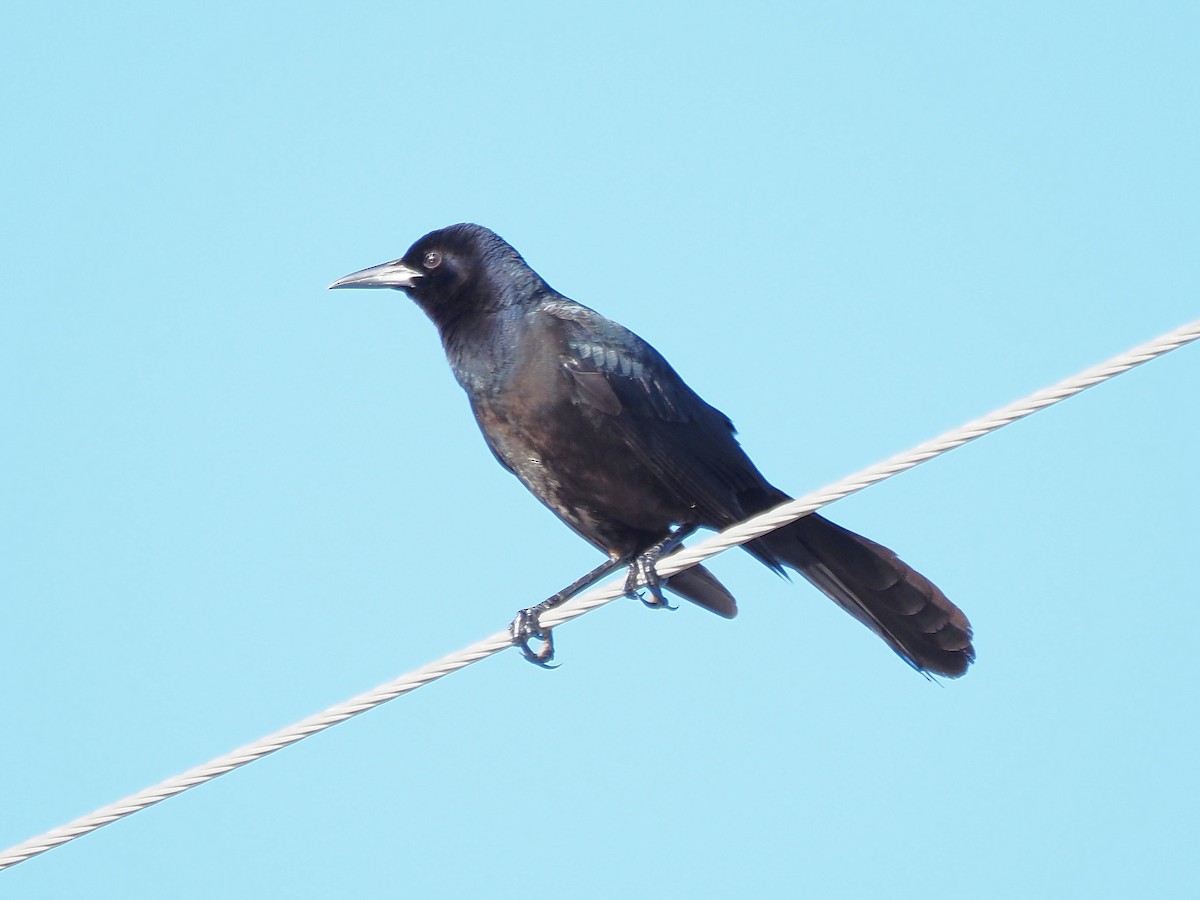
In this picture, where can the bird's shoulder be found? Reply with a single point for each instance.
(617, 372)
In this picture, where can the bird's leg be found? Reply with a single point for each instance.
(642, 571)
(526, 626)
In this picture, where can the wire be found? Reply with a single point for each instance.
(669, 565)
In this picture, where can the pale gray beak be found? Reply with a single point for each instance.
(394, 274)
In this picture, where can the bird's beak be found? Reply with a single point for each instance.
(394, 274)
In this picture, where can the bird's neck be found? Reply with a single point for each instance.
(477, 345)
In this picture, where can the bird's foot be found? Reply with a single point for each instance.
(525, 628)
(644, 574)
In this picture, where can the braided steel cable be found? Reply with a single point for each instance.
(668, 565)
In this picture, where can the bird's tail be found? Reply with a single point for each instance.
(702, 587)
(878, 588)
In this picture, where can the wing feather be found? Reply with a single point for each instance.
(688, 444)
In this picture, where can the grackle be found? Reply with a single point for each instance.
(596, 423)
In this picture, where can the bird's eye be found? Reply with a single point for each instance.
(432, 260)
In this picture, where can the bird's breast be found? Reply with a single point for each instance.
(573, 459)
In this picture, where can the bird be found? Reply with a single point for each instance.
(604, 432)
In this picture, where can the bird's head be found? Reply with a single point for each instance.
(453, 271)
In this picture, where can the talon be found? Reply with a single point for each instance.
(642, 575)
(642, 571)
(632, 586)
(658, 600)
(524, 628)
(655, 584)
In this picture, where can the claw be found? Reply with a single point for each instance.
(642, 571)
(642, 574)
(524, 628)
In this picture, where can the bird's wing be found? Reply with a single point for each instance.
(690, 445)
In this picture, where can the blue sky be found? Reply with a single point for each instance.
(231, 498)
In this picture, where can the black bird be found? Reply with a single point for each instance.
(596, 423)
